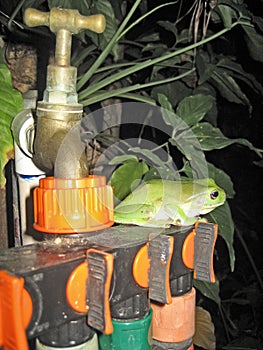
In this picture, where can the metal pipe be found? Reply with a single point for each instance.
(63, 48)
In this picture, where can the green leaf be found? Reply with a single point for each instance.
(259, 163)
(192, 109)
(11, 102)
(237, 71)
(165, 103)
(155, 50)
(211, 138)
(175, 92)
(167, 111)
(5, 75)
(161, 173)
(209, 290)
(208, 89)
(122, 159)
(171, 27)
(147, 38)
(204, 67)
(222, 179)
(228, 87)
(204, 336)
(227, 14)
(187, 143)
(254, 43)
(153, 158)
(104, 7)
(169, 63)
(186, 169)
(81, 6)
(222, 216)
(127, 177)
(170, 117)
(33, 3)
(224, 76)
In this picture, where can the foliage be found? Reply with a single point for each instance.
(11, 102)
(204, 329)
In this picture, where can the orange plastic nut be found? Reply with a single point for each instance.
(174, 322)
(76, 288)
(141, 267)
(16, 310)
(73, 205)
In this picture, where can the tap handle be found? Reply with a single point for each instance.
(67, 19)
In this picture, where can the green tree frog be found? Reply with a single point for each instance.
(161, 203)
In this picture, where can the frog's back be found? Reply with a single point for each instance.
(146, 193)
(153, 192)
(158, 190)
(178, 191)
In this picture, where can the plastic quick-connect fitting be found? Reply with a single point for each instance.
(175, 323)
(64, 206)
(89, 345)
(129, 335)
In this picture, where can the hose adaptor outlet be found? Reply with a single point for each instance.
(66, 206)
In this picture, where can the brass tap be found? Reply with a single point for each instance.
(64, 22)
(60, 112)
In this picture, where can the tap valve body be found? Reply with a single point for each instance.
(60, 111)
(70, 201)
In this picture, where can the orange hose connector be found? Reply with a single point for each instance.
(65, 206)
(175, 322)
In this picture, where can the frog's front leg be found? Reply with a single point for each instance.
(199, 219)
(178, 216)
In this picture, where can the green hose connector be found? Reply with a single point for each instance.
(132, 335)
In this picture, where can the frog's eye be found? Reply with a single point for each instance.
(214, 194)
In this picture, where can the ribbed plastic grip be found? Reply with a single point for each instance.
(65, 206)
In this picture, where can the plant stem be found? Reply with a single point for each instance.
(108, 48)
(143, 17)
(150, 62)
(114, 93)
(140, 98)
(77, 58)
(220, 308)
(114, 67)
(15, 12)
(250, 258)
(165, 144)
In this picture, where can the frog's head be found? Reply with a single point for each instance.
(215, 196)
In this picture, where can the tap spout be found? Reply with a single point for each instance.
(57, 146)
